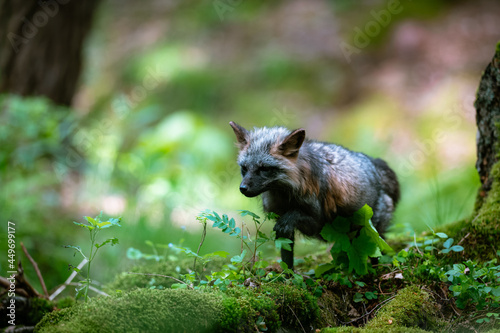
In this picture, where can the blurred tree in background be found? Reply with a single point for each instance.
(42, 46)
(146, 133)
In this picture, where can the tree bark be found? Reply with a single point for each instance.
(488, 123)
(41, 46)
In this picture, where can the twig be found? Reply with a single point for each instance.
(381, 304)
(201, 243)
(415, 241)
(161, 275)
(23, 284)
(91, 288)
(68, 280)
(38, 273)
(464, 238)
(297, 318)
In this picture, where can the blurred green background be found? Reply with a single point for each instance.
(147, 137)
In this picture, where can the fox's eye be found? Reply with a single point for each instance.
(244, 170)
(264, 170)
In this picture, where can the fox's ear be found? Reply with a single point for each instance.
(241, 134)
(290, 146)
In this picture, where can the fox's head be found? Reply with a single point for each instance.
(267, 157)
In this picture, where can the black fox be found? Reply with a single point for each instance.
(308, 183)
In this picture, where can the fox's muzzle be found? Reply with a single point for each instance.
(247, 191)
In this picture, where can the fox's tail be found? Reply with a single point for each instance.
(390, 183)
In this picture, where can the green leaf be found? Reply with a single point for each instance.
(272, 216)
(358, 297)
(262, 235)
(283, 243)
(495, 291)
(247, 212)
(232, 223)
(260, 272)
(331, 234)
(376, 254)
(374, 235)
(90, 220)
(261, 264)
(134, 254)
(213, 218)
(113, 241)
(323, 268)
(239, 259)
(448, 243)
(457, 248)
(89, 227)
(222, 254)
(283, 265)
(179, 286)
(363, 215)
(441, 235)
(77, 248)
(74, 268)
(114, 221)
(103, 225)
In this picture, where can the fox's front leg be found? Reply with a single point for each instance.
(285, 228)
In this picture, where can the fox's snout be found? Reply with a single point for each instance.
(248, 190)
(243, 189)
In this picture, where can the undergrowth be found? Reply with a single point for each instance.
(347, 291)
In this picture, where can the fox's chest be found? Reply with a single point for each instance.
(276, 202)
(282, 202)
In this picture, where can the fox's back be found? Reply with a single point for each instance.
(332, 173)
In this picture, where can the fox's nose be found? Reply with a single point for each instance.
(243, 189)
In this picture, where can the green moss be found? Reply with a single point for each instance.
(412, 307)
(65, 302)
(126, 281)
(334, 309)
(412, 310)
(243, 307)
(488, 216)
(296, 307)
(142, 310)
(54, 318)
(39, 307)
(278, 305)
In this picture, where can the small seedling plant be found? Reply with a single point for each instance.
(94, 226)
(252, 269)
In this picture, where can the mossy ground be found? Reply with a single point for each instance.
(181, 310)
(141, 310)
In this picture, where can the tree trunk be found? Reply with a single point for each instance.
(41, 46)
(488, 124)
